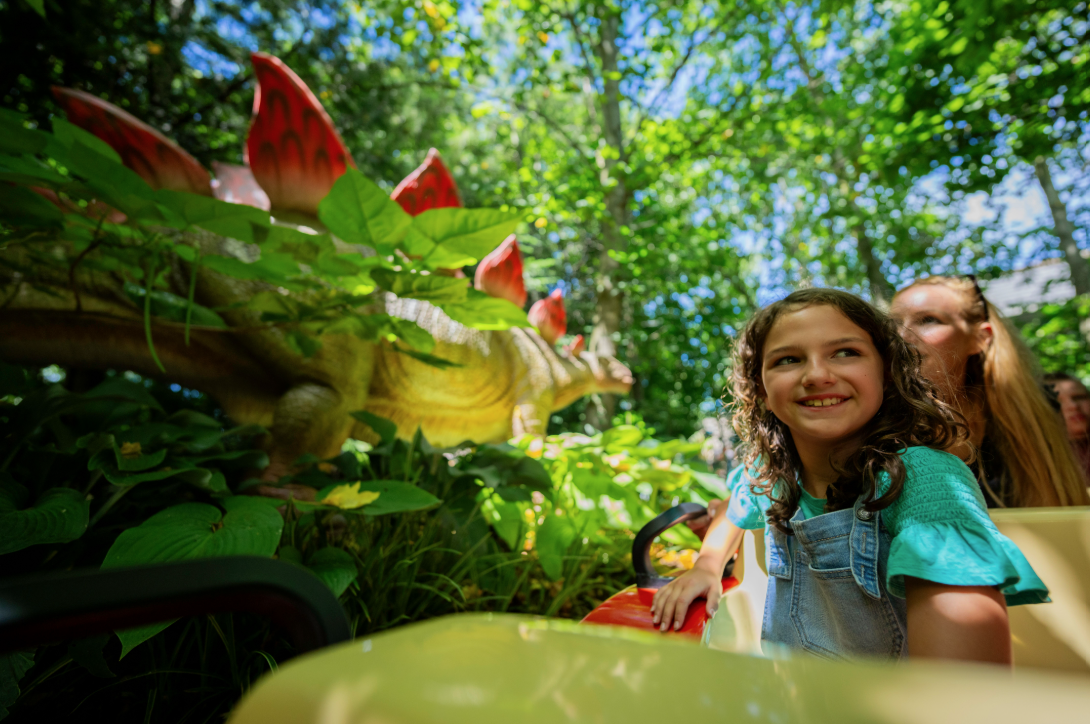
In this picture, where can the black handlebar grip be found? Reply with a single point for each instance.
(641, 547)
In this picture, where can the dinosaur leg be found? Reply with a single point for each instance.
(530, 418)
(310, 418)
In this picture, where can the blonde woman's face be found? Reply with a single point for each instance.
(822, 375)
(932, 319)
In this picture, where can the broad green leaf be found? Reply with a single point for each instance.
(237, 221)
(130, 457)
(506, 518)
(20, 206)
(17, 139)
(349, 497)
(452, 237)
(357, 211)
(37, 6)
(13, 667)
(88, 654)
(58, 516)
(394, 497)
(620, 437)
(117, 185)
(414, 335)
(29, 171)
(303, 344)
(300, 245)
(551, 542)
(272, 267)
(481, 311)
(385, 429)
(68, 134)
(336, 568)
(331, 263)
(194, 530)
(429, 287)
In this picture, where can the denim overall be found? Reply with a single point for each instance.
(826, 587)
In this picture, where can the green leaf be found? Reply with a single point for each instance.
(359, 212)
(303, 344)
(300, 245)
(506, 518)
(68, 134)
(620, 437)
(481, 311)
(416, 336)
(58, 516)
(117, 185)
(13, 667)
(452, 237)
(141, 461)
(194, 530)
(428, 359)
(385, 429)
(37, 6)
(394, 497)
(430, 287)
(88, 654)
(552, 541)
(29, 171)
(172, 307)
(336, 568)
(22, 207)
(15, 138)
(272, 267)
(237, 221)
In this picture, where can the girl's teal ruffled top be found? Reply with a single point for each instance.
(939, 527)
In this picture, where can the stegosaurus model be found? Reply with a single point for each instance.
(506, 382)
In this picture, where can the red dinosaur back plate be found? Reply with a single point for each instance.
(237, 185)
(293, 149)
(430, 186)
(160, 161)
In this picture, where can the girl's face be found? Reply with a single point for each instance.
(932, 318)
(822, 375)
(1075, 405)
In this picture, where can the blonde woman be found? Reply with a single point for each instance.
(981, 366)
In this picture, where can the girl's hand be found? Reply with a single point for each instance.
(671, 602)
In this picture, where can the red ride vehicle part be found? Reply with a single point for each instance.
(632, 606)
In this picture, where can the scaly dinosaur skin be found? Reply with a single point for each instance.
(509, 382)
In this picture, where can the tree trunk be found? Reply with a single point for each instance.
(880, 292)
(1064, 230)
(609, 305)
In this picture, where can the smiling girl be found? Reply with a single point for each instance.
(878, 543)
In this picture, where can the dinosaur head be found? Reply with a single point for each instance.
(608, 374)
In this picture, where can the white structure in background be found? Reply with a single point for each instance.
(1024, 292)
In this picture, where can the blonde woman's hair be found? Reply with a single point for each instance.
(1028, 435)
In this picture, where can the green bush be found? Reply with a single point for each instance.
(132, 471)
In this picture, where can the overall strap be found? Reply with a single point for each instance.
(778, 549)
(864, 541)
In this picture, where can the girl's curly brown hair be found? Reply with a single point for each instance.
(911, 413)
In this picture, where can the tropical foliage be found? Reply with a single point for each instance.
(678, 164)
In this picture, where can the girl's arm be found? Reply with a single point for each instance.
(964, 623)
(672, 601)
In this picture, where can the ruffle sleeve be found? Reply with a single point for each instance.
(963, 555)
(745, 509)
(941, 532)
